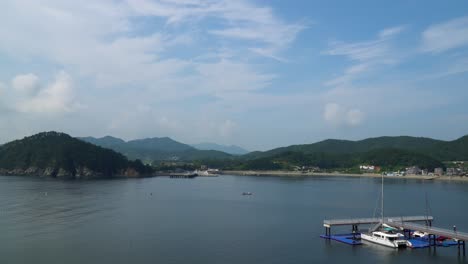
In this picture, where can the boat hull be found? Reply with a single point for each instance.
(384, 242)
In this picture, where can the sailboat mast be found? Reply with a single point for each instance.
(382, 201)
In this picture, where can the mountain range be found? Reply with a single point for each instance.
(60, 155)
(437, 149)
(232, 149)
(156, 149)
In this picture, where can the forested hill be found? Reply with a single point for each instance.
(386, 158)
(437, 149)
(60, 155)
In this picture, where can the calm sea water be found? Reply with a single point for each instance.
(207, 220)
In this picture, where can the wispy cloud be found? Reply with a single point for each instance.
(268, 35)
(366, 55)
(446, 36)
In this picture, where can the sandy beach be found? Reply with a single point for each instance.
(338, 174)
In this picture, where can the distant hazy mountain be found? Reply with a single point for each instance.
(59, 155)
(153, 149)
(232, 149)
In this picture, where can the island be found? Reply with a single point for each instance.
(58, 155)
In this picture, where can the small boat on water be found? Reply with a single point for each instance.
(247, 193)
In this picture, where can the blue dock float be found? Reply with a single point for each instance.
(345, 238)
(419, 243)
(423, 242)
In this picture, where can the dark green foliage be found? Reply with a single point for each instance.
(162, 166)
(386, 158)
(437, 149)
(262, 164)
(140, 167)
(59, 150)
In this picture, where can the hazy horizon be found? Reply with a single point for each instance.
(251, 73)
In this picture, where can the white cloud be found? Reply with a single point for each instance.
(25, 83)
(57, 97)
(338, 115)
(333, 113)
(102, 41)
(445, 36)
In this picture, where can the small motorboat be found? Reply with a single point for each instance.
(246, 193)
(420, 234)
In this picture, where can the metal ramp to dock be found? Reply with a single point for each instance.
(375, 220)
(461, 237)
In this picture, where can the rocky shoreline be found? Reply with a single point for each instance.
(61, 173)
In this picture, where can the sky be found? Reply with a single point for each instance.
(254, 73)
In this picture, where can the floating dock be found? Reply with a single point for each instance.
(350, 239)
(405, 223)
(354, 222)
(374, 220)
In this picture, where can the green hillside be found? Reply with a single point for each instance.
(388, 158)
(437, 149)
(58, 154)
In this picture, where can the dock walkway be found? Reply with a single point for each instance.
(354, 222)
(461, 237)
(359, 221)
(430, 230)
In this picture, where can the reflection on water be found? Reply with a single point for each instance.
(208, 220)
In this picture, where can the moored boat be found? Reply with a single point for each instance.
(384, 234)
(387, 238)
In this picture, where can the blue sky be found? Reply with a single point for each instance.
(259, 74)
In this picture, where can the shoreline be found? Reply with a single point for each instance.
(318, 174)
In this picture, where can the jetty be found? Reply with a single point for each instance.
(355, 222)
(183, 175)
(406, 223)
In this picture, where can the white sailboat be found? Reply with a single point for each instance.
(385, 236)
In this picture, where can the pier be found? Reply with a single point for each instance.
(355, 222)
(405, 223)
(183, 176)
